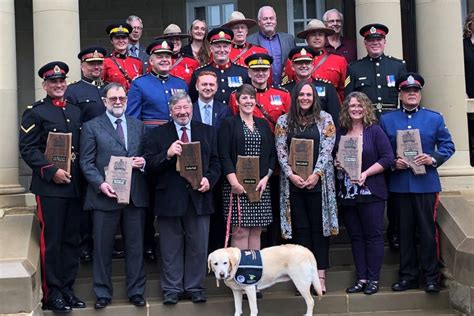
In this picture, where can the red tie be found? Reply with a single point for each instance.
(184, 135)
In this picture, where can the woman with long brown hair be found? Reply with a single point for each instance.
(198, 47)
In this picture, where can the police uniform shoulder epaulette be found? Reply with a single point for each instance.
(322, 80)
(238, 65)
(395, 58)
(73, 82)
(39, 102)
(287, 83)
(432, 111)
(205, 65)
(141, 76)
(280, 88)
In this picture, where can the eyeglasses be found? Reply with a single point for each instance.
(334, 21)
(114, 99)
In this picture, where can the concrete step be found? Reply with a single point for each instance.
(386, 302)
(340, 255)
(337, 279)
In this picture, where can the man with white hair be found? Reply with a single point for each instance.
(278, 44)
(134, 47)
(336, 44)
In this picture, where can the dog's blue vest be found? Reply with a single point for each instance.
(250, 267)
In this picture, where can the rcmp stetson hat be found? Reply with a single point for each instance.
(315, 26)
(160, 46)
(410, 80)
(220, 34)
(93, 53)
(173, 30)
(303, 53)
(374, 30)
(119, 29)
(54, 70)
(238, 17)
(259, 60)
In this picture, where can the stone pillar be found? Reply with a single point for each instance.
(386, 12)
(440, 62)
(56, 36)
(8, 94)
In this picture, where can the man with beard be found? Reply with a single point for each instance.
(326, 66)
(115, 134)
(58, 191)
(119, 66)
(376, 75)
(181, 66)
(148, 100)
(302, 64)
(134, 48)
(230, 76)
(183, 212)
(336, 43)
(278, 44)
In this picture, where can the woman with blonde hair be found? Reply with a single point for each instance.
(362, 201)
(198, 47)
(468, 43)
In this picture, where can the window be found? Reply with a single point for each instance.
(215, 13)
(300, 12)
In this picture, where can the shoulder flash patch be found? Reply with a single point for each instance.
(280, 88)
(26, 130)
(73, 82)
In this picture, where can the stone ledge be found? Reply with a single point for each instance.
(17, 200)
(20, 280)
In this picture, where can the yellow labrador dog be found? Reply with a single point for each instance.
(280, 264)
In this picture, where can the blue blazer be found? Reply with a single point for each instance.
(435, 140)
(219, 112)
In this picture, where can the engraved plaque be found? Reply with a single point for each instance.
(248, 175)
(301, 157)
(189, 164)
(119, 175)
(58, 150)
(408, 147)
(349, 155)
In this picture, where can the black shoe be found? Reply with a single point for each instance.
(73, 301)
(102, 302)
(394, 242)
(170, 298)
(118, 254)
(150, 254)
(197, 296)
(404, 285)
(371, 288)
(59, 306)
(432, 287)
(85, 256)
(137, 300)
(358, 287)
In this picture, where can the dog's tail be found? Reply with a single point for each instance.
(316, 282)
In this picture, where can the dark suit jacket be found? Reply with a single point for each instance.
(143, 56)
(219, 112)
(173, 193)
(100, 140)
(231, 143)
(287, 42)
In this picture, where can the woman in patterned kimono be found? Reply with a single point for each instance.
(308, 206)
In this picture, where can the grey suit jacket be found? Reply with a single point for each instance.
(100, 141)
(287, 42)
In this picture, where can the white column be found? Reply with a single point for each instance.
(56, 36)
(386, 12)
(8, 94)
(440, 62)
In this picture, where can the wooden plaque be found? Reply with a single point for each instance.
(189, 164)
(408, 147)
(119, 175)
(58, 150)
(349, 155)
(248, 175)
(301, 157)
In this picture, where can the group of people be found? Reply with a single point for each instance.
(236, 95)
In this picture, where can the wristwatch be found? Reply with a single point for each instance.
(434, 163)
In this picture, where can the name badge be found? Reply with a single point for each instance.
(390, 81)
(234, 82)
(275, 100)
(321, 91)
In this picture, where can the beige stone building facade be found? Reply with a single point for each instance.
(38, 31)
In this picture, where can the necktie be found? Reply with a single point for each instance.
(119, 130)
(184, 135)
(207, 114)
(134, 51)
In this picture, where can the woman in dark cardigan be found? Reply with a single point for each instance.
(363, 202)
(246, 135)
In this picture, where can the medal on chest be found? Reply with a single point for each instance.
(234, 82)
(275, 100)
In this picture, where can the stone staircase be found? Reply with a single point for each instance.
(279, 299)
